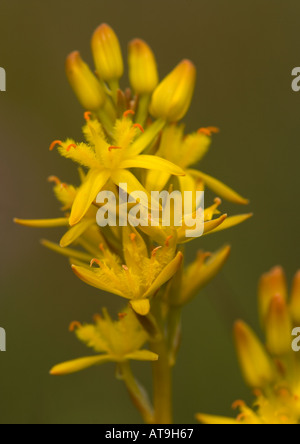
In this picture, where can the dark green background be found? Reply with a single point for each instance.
(244, 52)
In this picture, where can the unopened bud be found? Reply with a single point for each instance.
(271, 284)
(254, 361)
(278, 327)
(107, 53)
(172, 97)
(88, 90)
(143, 73)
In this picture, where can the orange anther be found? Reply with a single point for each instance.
(73, 145)
(167, 243)
(125, 267)
(122, 316)
(132, 237)
(137, 125)
(154, 251)
(241, 417)
(96, 317)
(95, 261)
(74, 325)
(238, 404)
(101, 247)
(110, 148)
(87, 115)
(53, 144)
(128, 112)
(54, 179)
(209, 131)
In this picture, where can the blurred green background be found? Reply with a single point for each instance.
(244, 52)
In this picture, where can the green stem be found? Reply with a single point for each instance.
(137, 393)
(142, 111)
(162, 381)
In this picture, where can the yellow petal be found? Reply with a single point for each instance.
(230, 222)
(90, 277)
(215, 420)
(43, 223)
(295, 299)
(87, 193)
(199, 274)
(142, 355)
(121, 177)
(153, 163)
(167, 273)
(270, 284)
(157, 180)
(75, 232)
(219, 188)
(79, 364)
(80, 153)
(140, 306)
(147, 138)
(143, 73)
(68, 252)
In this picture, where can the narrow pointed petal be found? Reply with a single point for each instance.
(77, 365)
(153, 163)
(157, 180)
(278, 327)
(43, 223)
(167, 273)
(91, 278)
(199, 273)
(215, 420)
(231, 222)
(75, 232)
(68, 252)
(140, 306)
(142, 355)
(220, 188)
(126, 177)
(87, 193)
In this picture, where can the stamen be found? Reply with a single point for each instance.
(128, 112)
(257, 393)
(73, 145)
(110, 148)
(137, 125)
(241, 417)
(167, 243)
(101, 247)
(238, 404)
(54, 179)
(74, 325)
(95, 261)
(122, 315)
(125, 267)
(53, 144)
(209, 131)
(154, 251)
(87, 115)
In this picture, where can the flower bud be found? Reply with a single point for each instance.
(107, 53)
(84, 83)
(143, 73)
(278, 327)
(271, 284)
(254, 361)
(295, 299)
(172, 97)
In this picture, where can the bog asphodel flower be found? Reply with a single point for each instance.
(113, 341)
(271, 370)
(134, 143)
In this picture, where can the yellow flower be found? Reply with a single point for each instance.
(107, 161)
(272, 371)
(66, 195)
(140, 277)
(116, 341)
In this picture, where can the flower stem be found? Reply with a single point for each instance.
(162, 381)
(137, 393)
